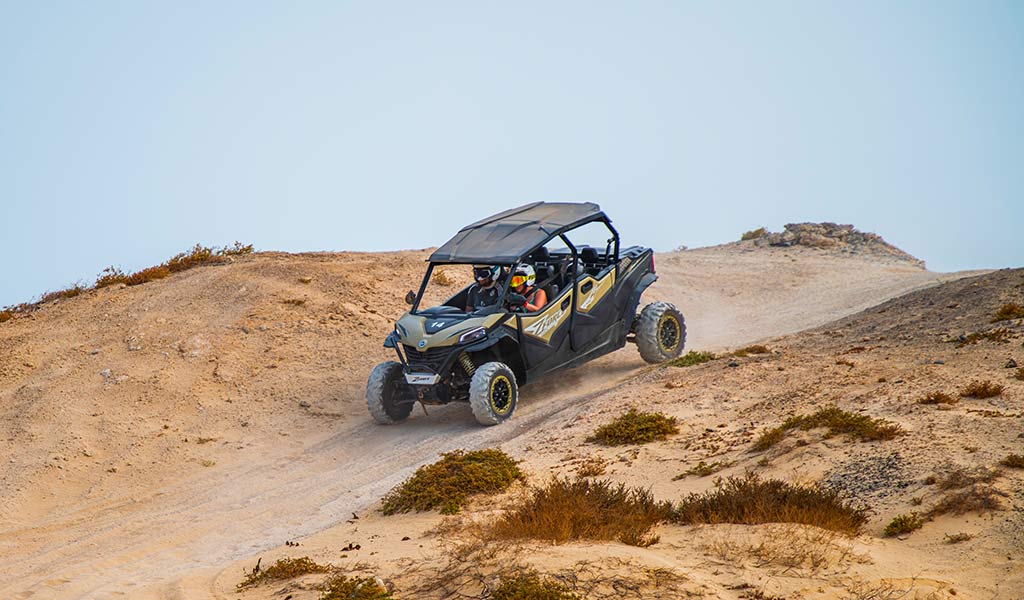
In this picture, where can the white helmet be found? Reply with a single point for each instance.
(524, 275)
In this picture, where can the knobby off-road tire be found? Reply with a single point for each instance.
(382, 394)
(660, 332)
(493, 393)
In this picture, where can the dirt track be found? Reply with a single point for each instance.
(105, 491)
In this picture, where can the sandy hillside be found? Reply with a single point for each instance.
(158, 438)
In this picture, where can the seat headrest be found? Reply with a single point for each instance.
(541, 255)
(588, 254)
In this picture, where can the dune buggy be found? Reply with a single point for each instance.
(452, 352)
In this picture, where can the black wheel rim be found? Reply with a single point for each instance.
(501, 394)
(668, 333)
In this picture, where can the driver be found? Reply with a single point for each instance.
(524, 281)
(485, 291)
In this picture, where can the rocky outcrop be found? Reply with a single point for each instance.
(841, 238)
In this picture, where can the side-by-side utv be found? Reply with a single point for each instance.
(461, 351)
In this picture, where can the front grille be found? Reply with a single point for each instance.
(432, 359)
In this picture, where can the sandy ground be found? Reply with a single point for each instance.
(157, 439)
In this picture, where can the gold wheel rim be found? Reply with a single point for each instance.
(501, 395)
(675, 338)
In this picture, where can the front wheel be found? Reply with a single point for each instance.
(384, 395)
(660, 332)
(493, 393)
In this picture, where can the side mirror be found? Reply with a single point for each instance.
(410, 298)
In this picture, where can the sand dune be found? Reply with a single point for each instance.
(158, 438)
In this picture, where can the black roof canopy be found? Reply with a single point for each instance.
(507, 236)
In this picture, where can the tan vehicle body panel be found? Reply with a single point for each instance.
(416, 330)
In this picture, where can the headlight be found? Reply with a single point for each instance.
(399, 331)
(473, 335)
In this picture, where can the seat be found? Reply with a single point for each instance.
(591, 260)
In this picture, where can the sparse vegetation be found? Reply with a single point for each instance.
(197, 256)
(635, 427)
(1019, 375)
(1001, 335)
(981, 389)
(754, 234)
(977, 498)
(703, 469)
(294, 301)
(938, 398)
(1014, 461)
(442, 278)
(342, 587)
(837, 421)
(960, 477)
(755, 349)
(449, 483)
(691, 358)
(1008, 312)
(751, 500)
(956, 538)
(592, 467)
(584, 509)
(284, 568)
(903, 524)
(529, 585)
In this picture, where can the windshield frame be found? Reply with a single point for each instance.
(488, 310)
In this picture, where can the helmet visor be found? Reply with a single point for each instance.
(483, 272)
(518, 280)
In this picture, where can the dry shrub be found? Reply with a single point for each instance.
(837, 421)
(110, 276)
(342, 587)
(751, 500)
(198, 255)
(442, 278)
(977, 498)
(284, 568)
(703, 469)
(691, 358)
(956, 538)
(981, 389)
(1014, 461)
(903, 524)
(755, 349)
(449, 483)
(960, 477)
(938, 398)
(70, 292)
(592, 466)
(583, 509)
(1008, 312)
(1019, 375)
(754, 234)
(635, 427)
(1001, 335)
(530, 585)
(477, 568)
(7, 314)
(787, 547)
(294, 301)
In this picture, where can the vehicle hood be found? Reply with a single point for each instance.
(423, 332)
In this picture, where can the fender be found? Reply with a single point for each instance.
(493, 337)
(634, 301)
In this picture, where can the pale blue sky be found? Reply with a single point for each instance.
(132, 130)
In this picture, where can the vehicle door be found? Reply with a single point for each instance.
(597, 312)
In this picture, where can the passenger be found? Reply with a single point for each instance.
(485, 291)
(524, 281)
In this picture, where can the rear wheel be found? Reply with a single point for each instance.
(384, 395)
(660, 332)
(493, 393)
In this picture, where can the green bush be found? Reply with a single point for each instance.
(634, 427)
(449, 483)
